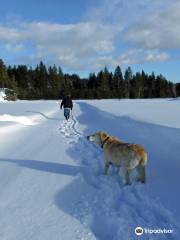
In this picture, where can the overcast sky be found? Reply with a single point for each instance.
(84, 36)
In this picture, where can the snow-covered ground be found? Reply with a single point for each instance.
(51, 178)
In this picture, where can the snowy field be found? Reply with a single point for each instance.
(51, 178)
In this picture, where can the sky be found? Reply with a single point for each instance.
(84, 36)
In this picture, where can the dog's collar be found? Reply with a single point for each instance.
(102, 144)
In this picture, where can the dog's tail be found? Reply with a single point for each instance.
(142, 167)
(144, 158)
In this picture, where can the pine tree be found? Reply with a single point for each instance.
(177, 85)
(104, 89)
(41, 80)
(118, 87)
(4, 78)
(128, 76)
(136, 86)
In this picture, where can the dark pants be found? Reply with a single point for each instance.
(67, 113)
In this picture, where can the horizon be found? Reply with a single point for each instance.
(85, 36)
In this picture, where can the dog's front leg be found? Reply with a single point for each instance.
(127, 176)
(106, 168)
(107, 164)
(118, 170)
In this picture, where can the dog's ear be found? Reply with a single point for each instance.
(103, 136)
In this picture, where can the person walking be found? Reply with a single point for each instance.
(67, 104)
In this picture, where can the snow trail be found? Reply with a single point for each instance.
(102, 203)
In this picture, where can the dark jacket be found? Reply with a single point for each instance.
(67, 103)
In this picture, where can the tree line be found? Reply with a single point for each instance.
(43, 82)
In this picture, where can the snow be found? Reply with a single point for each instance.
(51, 178)
(20, 119)
(2, 94)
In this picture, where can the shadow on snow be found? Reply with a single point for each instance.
(57, 168)
(45, 116)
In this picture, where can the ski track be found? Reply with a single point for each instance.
(102, 203)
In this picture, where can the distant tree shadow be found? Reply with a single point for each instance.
(45, 116)
(56, 168)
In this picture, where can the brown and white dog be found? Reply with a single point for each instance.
(120, 154)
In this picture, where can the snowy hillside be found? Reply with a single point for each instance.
(51, 178)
